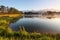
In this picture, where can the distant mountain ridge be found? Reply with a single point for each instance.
(42, 10)
(4, 9)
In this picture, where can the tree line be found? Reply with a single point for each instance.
(9, 10)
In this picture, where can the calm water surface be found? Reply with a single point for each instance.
(38, 24)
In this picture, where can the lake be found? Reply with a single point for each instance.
(38, 24)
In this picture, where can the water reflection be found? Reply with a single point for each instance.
(38, 24)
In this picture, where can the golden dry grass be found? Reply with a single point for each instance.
(10, 15)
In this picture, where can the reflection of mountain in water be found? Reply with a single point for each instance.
(36, 24)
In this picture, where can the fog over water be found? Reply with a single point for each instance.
(38, 24)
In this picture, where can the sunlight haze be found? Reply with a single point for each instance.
(32, 4)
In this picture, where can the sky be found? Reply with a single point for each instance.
(32, 4)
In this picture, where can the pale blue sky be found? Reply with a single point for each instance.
(32, 4)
